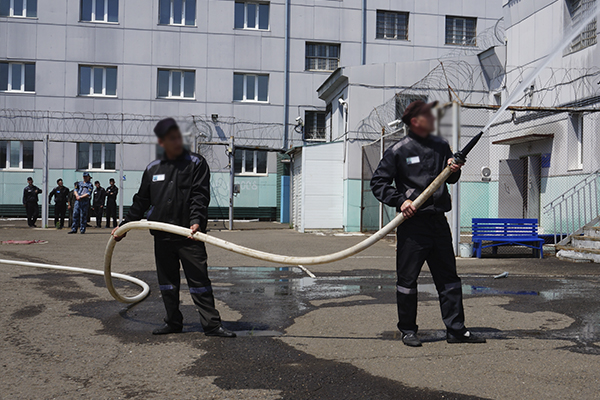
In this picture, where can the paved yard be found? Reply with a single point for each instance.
(333, 337)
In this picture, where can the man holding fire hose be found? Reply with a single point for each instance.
(412, 164)
(176, 189)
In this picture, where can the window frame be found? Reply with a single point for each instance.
(468, 42)
(104, 69)
(384, 14)
(181, 83)
(93, 18)
(329, 46)
(7, 164)
(183, 14)
(91, 157)
(9, 88)
(315, 127)
(244, 98)
(254, 171)
(574, 13)
(11, 9)
(257, 18)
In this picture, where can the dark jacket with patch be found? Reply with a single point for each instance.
(99, 197)
(60, 195)
(412, 164)
(30, 194)
(174, 191)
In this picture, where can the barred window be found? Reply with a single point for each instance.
(577, 11)
(322, 57)
(315, 125)
(392, 25)
(461, 31)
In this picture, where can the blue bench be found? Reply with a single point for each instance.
(505, 232)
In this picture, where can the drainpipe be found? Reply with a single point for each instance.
(363, 41)
(286, 77)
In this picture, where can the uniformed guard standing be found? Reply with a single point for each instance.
(413, 163)
(30, 201)
(61, 196)
(98, 203)
(176, 189)
(111, 203)
(83, 192)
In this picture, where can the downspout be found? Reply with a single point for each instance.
(286, 78)
(363, 39)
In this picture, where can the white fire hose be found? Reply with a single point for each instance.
(261, 255)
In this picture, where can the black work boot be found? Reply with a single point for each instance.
(466, 337)
(221, 332)
(166, 329)
(411, 339)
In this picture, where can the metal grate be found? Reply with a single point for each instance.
(392, 25)
(578, 10)
(461, 31)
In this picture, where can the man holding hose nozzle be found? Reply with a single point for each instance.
(412, 164)
(176, 189)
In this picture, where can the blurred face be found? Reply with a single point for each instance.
(97, 184)
(172, 143)
(111, 182)
(29, 181)
(423, 123)
(60, 183)
(86, 178)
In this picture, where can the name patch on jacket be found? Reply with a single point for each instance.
(413, 160)
(158, 178)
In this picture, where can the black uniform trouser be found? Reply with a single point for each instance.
(32, 209)
(99, 212)
(428, 238)
(111, 212)
(193, 258)
(60, 209)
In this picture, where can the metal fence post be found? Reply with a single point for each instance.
(121, 173)
(381, 151)
(455, 212)
(231, 179)
(45, 173)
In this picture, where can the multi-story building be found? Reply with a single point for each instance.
(259, 62)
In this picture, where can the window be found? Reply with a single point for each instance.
(461, 31)
(403, 100)
(18, 8)
(575, 141)
(16, 155)
(250, 87)
(175, 84)
(315, 125)
(322, 57)
(99, 10)
(97, 81)
(177, 12)
(96, 156)
(251, 15)
(249, 162)
(392, 25)
(577, 11)
(17, 77)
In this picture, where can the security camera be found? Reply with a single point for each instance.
(343, 102)
(395, 124)
(299, 121)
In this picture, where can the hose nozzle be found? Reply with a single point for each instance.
(461, 156)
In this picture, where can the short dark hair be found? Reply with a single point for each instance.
(29, 179)
(59, 180)
(96, 183)
(164, 126)
(111, 180)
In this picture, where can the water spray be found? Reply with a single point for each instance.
(459, 157)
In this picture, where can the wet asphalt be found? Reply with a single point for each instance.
(269, 300)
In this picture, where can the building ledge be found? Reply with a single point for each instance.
(531, 137)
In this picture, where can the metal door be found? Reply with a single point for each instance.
(511, 188)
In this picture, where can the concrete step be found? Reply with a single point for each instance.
(586, 242)
(571, 254)
(593, 231)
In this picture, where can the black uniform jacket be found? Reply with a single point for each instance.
(60, 194)
(30, 194)
(111, 194)
(174, 191)
(412, 164)
(99, 197)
